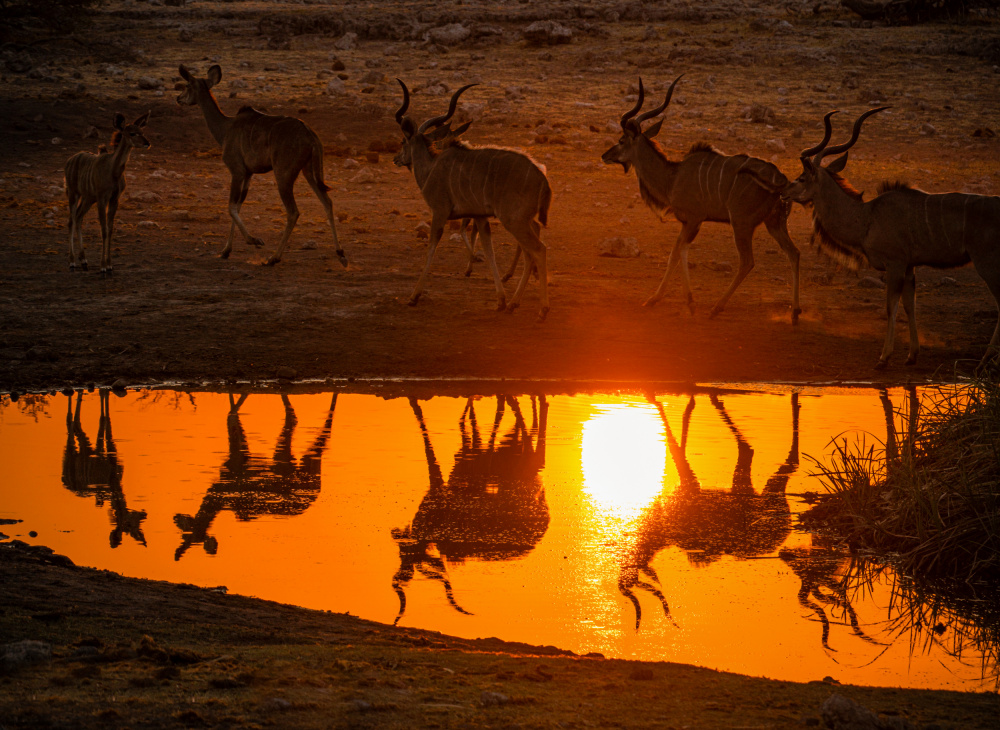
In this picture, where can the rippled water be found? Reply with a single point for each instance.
(638, 526)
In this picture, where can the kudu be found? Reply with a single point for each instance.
(254, 143)
(704, 186)
(491, 507)
(90, 471)
(251, 486)
(708, 523)
(100, 179)
(899, 229)
(460, 182)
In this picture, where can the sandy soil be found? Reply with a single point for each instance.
(175, 311)
(168, 656)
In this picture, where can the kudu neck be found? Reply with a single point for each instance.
(843, 216)
(422, 161)
(218, 123)
(120, 158)
(652, 165)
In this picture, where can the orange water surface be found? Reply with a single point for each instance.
(654, 528)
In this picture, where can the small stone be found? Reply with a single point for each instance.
(493, 699)
(423, 230)
(619, 248)
(364, 177)
(948, 281)
(928, 129)
(351, 164)
(775, 145)
(309, 245)
(337, 65)
(149, 82)
(448, 35)
(870, 282)
(18, 654)
(346, 42)
(286, 373)
(336, 87)
(723, 266)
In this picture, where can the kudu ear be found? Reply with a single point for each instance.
(438, 134)
(408, 126)
(214, 75)
(462, 129)
(141, 121)
(653, 130)
(185, 74)
(119, 120)
(839, 164)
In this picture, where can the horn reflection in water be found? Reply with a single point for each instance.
(491, 507)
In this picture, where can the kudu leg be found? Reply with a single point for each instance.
(744, 249)
(106, 252)
(469, 239)
(244, 189)
(102, 216)
(534, 258)
(893, 290)
(286, 185)
(513, 265)
(993, 350)
(324, 199)
(909, 304)
(237, 194)
(72, 234)
(779, 231)
(483, 226)
(678, 255)
(437, 230)
(82, 208)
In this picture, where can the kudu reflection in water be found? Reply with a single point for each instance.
(492, 507)
(251, 485)
(708, 523)
(96, 472)
(824, 570)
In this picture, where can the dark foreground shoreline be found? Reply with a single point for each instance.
(139, 653)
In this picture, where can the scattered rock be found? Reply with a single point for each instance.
(775, 145)
(870, 282)
(20, 653)
(149, 82)
(948, 281)
(759, 114)
(346, 42)
(493, 699)
(723, 266)
(336, 87)
(364, 177)
(185, 35)
(927, 129)
(285, 373)
(145, 196)
(448, 35)
(840, 713)
(423, 230)
(619, 248)
(547, 32)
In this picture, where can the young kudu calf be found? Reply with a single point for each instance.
(898, 230)
(704, 186)
(478, 183)
(254, 143)
(100, 179)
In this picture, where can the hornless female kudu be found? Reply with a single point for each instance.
(899, 229)
(478, 183)
(253, 143)
(704, 186)
(100, 179)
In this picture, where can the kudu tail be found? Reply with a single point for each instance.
(544, 200)
(316, 165)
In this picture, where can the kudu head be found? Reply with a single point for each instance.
(431, 131)
(130, 135)
(633, 138)
(806, 187)
(196, 88)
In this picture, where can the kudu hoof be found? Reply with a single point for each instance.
(511, 307)
(225, 254)
(342, 258)
(501, 305)
(911, 360)
(412, 302)
(795, 315)
(272, 261)
(83, 266)
(254, 241)
(542, 314)
(880, 365)
(505, 278)
(651, 302)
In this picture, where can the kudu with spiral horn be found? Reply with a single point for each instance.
(899, 229)
(705, 185)
(460, 181)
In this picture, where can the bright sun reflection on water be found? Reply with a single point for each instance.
(624, 458)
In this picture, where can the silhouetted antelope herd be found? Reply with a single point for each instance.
(898, 230)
